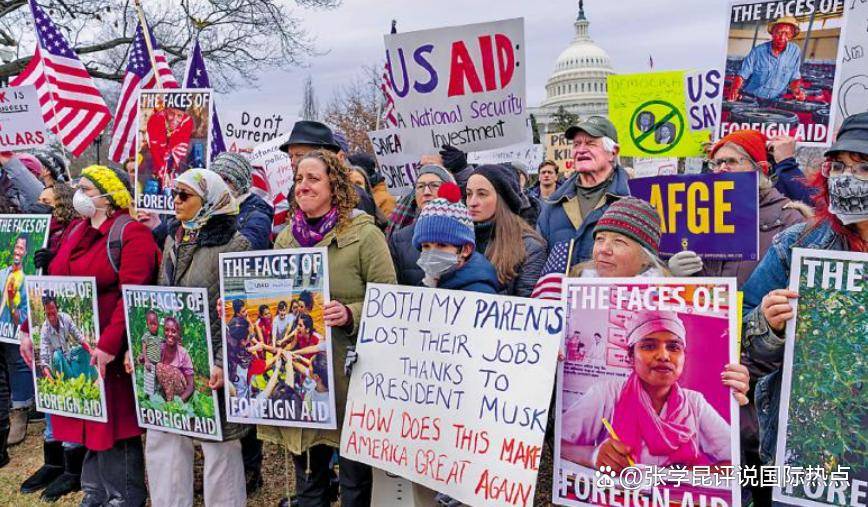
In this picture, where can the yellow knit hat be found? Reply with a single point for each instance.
(111, 183)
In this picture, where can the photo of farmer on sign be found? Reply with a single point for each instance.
(277, 347)
(20, 236)
(63, 322)
(170, 350)
(173, 135)
(781, 68)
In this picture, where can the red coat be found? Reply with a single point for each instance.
(83, 252)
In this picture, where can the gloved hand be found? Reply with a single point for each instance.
(453, 159)
(42, 258)
(685, 263)
(352, 357)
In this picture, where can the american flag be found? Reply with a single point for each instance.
(70, 102)
(140, 76)
(390, 118)
(553, 273)
(281, 213)
(197, 77)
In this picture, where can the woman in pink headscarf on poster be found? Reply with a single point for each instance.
(657, 421)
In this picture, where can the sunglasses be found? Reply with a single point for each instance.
(181, 195)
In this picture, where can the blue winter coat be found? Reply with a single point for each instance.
(790, 181)
(477, 275)
(405, 255)
(254, 222)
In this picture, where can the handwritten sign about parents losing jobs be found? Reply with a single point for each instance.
(460, 85)
(452, 390)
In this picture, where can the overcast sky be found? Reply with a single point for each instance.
(680, 34)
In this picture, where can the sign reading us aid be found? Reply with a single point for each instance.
(714, 215)
(460, 85)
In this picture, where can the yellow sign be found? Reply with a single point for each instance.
(649, 113)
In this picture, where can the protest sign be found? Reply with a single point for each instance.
(703, 90)
(823, 409)
(21, 123)
(714, 215)
(560, 151)
(245, 129)
(64, 326)
(782, 85)
(277, 350)
(641, 383)
(531, 155)
(649, 112)
(451, 390)
(460, 85)
(852, 87)
(169, 336)
(647, 167)
(173, 134)
(397, 165)
(20, 237)
(274, 166)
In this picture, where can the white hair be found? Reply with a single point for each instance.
(609, 145)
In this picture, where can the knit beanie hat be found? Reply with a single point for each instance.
(751, 141)
(31, 163)
(114, 183)
(505, 183)
(445, 220)
(235, 169)
(439, 171)
(53, 162)
(635, 219)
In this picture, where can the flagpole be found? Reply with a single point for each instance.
(147, 33)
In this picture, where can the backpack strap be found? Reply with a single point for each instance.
(114, 240)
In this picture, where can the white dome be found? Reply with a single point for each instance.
(582, 55)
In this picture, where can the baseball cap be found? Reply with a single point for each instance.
(596, 126)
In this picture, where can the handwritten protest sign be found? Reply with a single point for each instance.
(529, 154)
(246, 128)
(277, 350)
(612, 377)
(21, 123)
(647, 167)
(783, 86)
(703, 90)
(64, 326)
(823, 409)
(852, 87)
(460, 85)
(173, 134)
(274, 165)
(397, 164)
(714, 215)
(451, 390)
(20, 237)
(169, 336)
(560, 151)
(650, 115)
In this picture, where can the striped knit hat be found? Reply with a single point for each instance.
(635, 219)
(235, 169)
(445, 220)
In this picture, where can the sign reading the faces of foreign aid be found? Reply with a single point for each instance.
(451, 390)
(20, 237)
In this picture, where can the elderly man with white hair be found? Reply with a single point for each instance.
(573, 210)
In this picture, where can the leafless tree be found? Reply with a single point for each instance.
(354, 107)
(309, 106)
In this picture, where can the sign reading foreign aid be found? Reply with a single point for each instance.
(461, 85)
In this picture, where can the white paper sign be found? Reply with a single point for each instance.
(460, 85)
(702, 90)
(21, 123)
(397, 165)
(276, 165)
(531, 155)
(647, 167)
(853, 88)
(451, 390)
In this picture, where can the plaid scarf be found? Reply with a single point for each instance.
(403, 215)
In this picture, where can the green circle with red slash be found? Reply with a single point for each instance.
(670, 112)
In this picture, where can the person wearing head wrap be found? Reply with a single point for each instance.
(254, 214)
(658, 422)
(206, 227)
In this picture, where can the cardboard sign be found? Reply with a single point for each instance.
(714, 215)
(823, 409)
(64, 326)
(277, 350)
(460, 85)
(532, 155)
(169, 335)
(21, 123)
(649, 111)
(396, 163)
(20, 237)
(852, 87)
(560, 150)
(787, 87)
(618, 330)
(451, 390)
(173, 135)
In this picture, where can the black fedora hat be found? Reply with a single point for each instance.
(311, 133)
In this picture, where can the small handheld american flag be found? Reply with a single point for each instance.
(554, 271)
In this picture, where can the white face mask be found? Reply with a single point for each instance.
(435, 263)
(83, 203)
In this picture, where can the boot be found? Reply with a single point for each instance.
(51, 469)
(70, 480)
(4, 455)
(17, 426)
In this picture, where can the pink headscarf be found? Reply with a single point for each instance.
(31, 163)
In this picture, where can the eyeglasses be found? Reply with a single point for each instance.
(835, 168)
(729, 161)
(181, 195)
(433, 186)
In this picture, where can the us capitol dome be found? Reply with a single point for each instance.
(578, 82)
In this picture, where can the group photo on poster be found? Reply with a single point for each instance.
(64, 327)
(781, 68)
(173, 135)
(641, 386)
(170, 353)
(277, 348)
(20, 237)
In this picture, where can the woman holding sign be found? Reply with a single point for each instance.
(206, 227)
(322, 215)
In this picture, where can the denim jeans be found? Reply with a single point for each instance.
(115, 477)
(20, 377)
